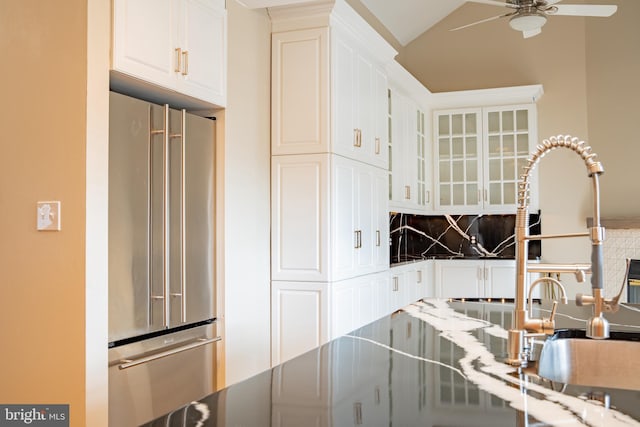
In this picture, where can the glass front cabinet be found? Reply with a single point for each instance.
(479, 157)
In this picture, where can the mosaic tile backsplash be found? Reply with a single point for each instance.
(416, 237)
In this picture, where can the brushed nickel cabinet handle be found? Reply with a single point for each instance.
(377, 237)
(407, 192)
(357, 413)
(377, 145)
(185, 66)
(178, 61)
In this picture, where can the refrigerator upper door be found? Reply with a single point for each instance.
(130, 303)
(191, 219)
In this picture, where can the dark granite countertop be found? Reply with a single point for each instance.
(433, 363)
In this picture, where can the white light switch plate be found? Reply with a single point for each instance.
(48, 216)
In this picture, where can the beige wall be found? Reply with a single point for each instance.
(42, 115)
(613, 90)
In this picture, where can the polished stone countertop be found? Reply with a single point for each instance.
(434, 363)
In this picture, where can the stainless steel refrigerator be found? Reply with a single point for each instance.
(162, 322)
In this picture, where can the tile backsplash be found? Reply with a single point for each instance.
(415, 237)
(619, 244)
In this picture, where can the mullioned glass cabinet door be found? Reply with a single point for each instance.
(508, 136)
(459, 158)
(480, 157)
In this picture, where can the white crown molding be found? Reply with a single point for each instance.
(332, 13)
(487, 97)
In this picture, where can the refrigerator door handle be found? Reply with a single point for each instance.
(165, 214)
(129, 363)
(183, 231)
(165, 135)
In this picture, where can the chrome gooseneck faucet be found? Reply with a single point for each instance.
(524, 326)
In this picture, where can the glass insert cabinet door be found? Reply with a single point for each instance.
(459, 158)
(508, 135)
(480, 156)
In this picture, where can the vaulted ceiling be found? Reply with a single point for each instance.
(407, 19)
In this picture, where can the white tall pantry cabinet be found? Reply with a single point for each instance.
(330, 231)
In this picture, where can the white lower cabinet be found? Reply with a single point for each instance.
(409, 283)
(476, 279)
(306, 315)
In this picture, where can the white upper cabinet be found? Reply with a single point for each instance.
(360, 103)
(409, 144)
(329, 85)
(480, 151)
(176, 45)
(480, 155)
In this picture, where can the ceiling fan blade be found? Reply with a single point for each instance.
(493, 18)
(550, 2)
(531, 33)
(494, 3)
(584, 10)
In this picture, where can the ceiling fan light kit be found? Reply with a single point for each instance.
(528, 21)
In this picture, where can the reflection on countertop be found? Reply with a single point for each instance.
(433, 363)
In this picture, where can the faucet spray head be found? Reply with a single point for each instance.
(598, 328)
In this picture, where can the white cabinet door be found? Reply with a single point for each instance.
(179, 45)
(366, 225)
(300, 214)
(380, 214)
(410, 164)
(299, 318)
(398, 290)
(380, 108)
(144, 38)
(501, 279)
(345, 90)
(204, 41)
(359, 235)
(300, 112)
(359, 102)
(509, 135)
(458, 160)
(346, 235)
(459, 278)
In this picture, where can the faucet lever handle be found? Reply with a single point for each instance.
(554, 307)
(614, 304)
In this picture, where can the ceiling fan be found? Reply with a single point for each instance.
(528, 16)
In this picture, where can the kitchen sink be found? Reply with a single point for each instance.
(568, 357)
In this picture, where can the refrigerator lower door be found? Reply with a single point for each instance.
(150, 378)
